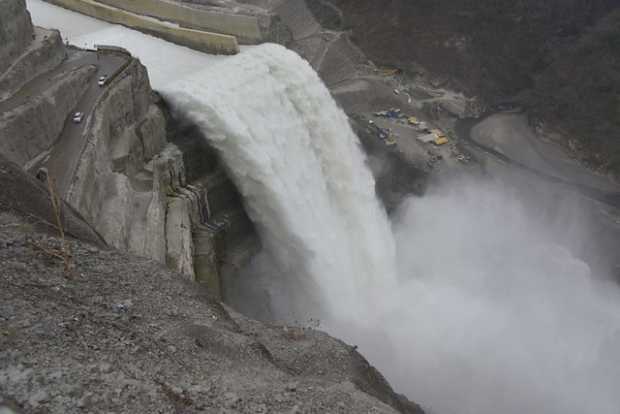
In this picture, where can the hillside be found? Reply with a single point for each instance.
(560, 59)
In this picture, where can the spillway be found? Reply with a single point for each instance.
(466, 301)
(300, 170)
(164, 61)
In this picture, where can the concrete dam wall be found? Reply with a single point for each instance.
(207, 42)
(245, 28)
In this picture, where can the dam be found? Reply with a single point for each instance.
(460, 294)
(87, 32)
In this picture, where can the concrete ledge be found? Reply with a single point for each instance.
(245, 28)
(207, 42)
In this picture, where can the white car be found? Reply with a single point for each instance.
(77, 117)
(102, 80)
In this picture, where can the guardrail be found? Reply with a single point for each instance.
(119, 51)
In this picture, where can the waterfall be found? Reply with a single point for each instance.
(299, 167)
(475, 307)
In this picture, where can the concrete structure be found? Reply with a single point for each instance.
(244, 27)
(203, 41)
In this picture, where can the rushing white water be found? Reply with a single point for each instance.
(299, 168)
(489, 314)
(472, 304)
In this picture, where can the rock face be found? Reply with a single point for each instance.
(580, 91)
(15, 31)
(44, 53)
(124, 334)
(31, 128)
(118, 167)
(28, 199)
(102, 188)
(490, 48)
(25, 52)
(133, 185)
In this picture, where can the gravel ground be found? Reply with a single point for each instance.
(119, 334)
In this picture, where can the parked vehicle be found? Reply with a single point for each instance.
(78, 117)
(102, 80)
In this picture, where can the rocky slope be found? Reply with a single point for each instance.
(123, 334)
(118, 168)
(132, 183)
(33, 127)
(557, 58)
(25, 51)
(15, 31)
(491, 48)
(580, 93)
(28, 199)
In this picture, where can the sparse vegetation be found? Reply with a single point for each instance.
(63, 252)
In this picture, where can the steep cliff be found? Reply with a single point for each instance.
(34, 125)
(15, 31)
(132, 183)
(46, 52)
(25, 51)
(28, 199)
(117, 165)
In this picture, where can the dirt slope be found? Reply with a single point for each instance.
(125, 335)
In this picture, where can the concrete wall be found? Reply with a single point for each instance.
(245, 28)
(195, 39)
